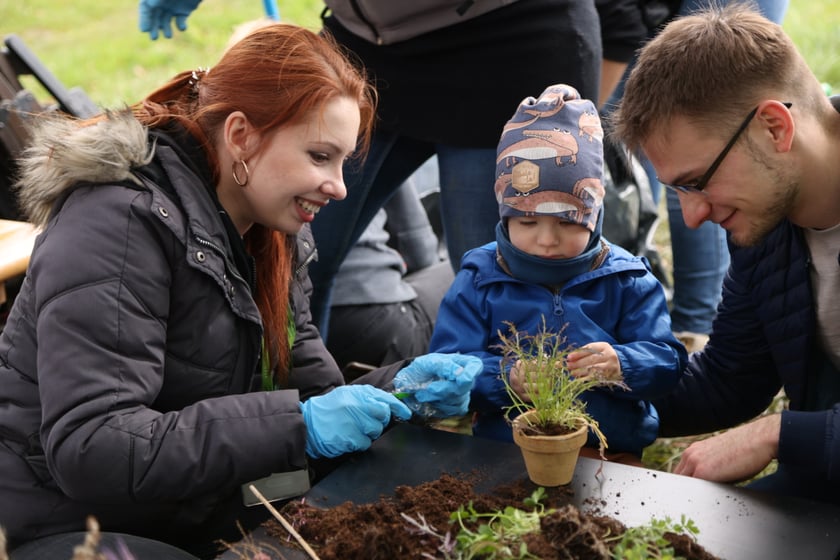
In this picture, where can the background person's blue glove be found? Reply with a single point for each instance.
(438, 385)
(157, 15)
(348, 418)
(271, 10)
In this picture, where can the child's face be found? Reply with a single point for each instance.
(547, 237)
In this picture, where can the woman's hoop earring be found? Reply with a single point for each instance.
(236, 178)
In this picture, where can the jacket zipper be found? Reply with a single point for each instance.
(558, 302)
(309, 258)
(258, 359)
(228, 265)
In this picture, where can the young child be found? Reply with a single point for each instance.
(549, 262)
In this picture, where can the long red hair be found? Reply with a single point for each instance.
(276, 75)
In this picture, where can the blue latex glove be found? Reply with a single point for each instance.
(348, 418)
(438, 385)
(157, 15)
(271, 10)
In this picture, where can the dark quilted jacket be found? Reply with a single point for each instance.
(129, 378)
(763, 339)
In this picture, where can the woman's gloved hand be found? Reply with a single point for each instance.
(438, 385)
(348, 419)
(157, 15)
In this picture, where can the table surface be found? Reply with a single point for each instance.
(735, 523)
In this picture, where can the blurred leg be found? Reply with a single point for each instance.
(467, 201)
(338, 225)
(431, 284)
(700, 258)
(377, 334)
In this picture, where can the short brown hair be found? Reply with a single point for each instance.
(711, 66)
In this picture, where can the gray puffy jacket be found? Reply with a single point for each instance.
(129, 365)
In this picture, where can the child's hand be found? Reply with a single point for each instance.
(597, 359)
(517, 381)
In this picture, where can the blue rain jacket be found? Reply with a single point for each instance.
(620, 302)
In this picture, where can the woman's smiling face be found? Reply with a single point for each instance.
(297, 172)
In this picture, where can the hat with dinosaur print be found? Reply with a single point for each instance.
(550, 159)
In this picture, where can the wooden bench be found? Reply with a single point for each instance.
(16, 242)
(18, 107)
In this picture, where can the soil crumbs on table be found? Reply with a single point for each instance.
(380, 531)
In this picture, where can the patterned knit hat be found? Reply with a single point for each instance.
(550, 159)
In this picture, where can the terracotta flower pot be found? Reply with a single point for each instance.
(550, 460)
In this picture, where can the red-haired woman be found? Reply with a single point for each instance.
(160, 353)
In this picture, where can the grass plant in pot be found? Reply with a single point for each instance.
(551, 423)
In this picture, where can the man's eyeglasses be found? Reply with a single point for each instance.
(704, 180)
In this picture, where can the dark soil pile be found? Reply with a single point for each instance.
(378, 530)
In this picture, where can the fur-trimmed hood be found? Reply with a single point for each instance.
(63, 153)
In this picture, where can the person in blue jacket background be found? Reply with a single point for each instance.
(549, 262)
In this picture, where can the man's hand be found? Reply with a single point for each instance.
(735, 455)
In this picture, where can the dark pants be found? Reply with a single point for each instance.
(381, 334)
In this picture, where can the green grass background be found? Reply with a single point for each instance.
(96, 45)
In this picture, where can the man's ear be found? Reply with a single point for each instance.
(240, 137)
(777, 119)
